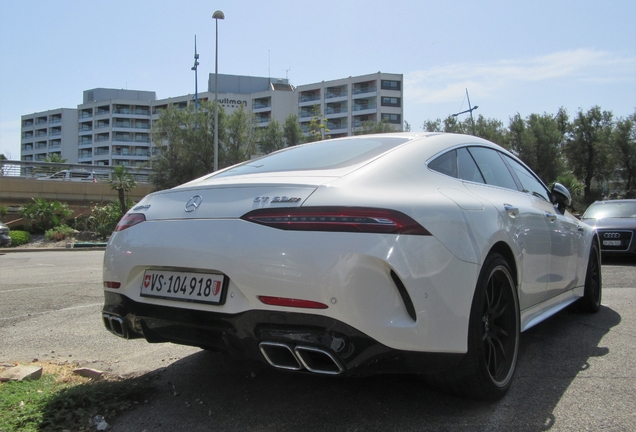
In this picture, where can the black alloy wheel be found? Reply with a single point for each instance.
(493, 334)
(500, 326)
(592, 294)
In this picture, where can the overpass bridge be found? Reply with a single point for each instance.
(22, 181)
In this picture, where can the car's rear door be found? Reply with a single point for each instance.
(523, 216)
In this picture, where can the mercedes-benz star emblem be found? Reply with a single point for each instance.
(193, 204)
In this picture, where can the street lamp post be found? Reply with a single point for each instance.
(469, 110)
(218, 15)
(196, 80)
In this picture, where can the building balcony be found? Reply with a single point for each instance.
(338, 127)
(335, 112)
(363, 90)
(361, 108)
(335, 93)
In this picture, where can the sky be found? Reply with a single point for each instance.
(512, 56)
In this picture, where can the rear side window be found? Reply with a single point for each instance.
(493, 168)
(528, 181)
(467, 167)
(445, 164)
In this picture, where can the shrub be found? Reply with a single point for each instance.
(3, 210)
(103, 218)
(43, 215)
(19, 238)
(59, 233)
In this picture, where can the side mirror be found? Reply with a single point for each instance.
(561, 197)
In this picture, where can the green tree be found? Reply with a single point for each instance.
(292, 133)
(371, 127)
(123, 182)
(272, 138)
(488, 128)
(318, 129)
(185, 144)
(623, 144)
(432, 125)
(587, 148)
(538, 141)
(43, 215)
(449, 125)
(575, 187)
(407, 126)
(241, 139)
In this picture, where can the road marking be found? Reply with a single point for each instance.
(51, 311)
(64, 285)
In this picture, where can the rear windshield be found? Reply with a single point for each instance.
(611, 210)
(322, 155)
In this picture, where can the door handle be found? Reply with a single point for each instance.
(511, 210)
(551, 216)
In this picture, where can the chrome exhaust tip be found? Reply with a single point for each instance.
(280, 356)
(115, 325)
(318, 360)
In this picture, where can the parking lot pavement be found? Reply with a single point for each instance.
(576, 371)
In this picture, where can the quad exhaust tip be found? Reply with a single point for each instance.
(312, 359)
(115, 325)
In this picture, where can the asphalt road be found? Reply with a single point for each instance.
(576, 372)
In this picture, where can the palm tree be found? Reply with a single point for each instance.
(54, 158)
(122, 181)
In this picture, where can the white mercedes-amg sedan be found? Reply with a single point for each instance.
(421, 253)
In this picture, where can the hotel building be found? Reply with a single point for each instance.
(112, 127)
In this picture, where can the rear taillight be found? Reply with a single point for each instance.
(111, 284)
(340, 219)
(130, 219)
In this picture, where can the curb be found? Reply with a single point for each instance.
(79, 249)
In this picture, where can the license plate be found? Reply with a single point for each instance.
(611, 242)
(183, 286)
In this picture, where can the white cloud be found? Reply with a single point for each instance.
(444, 83)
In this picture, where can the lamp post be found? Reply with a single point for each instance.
(218, 15)
(469, 110)
(196, 80)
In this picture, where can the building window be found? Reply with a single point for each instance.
(392, 118)
(390, 85)
(390, 101)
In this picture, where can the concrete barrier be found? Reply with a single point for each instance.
(16, 191)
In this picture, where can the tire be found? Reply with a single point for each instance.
(487, 369)
(593, 292)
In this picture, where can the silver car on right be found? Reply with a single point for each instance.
(615, 222)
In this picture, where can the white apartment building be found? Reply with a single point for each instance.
(48, 133)
(112, 127)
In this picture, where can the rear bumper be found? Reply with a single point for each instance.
(285, 340)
